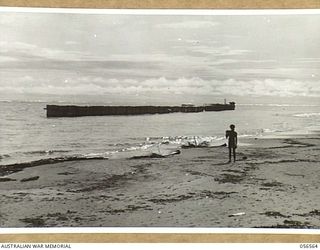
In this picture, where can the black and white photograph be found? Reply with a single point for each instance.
(204, 119)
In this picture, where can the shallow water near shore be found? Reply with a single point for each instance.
(27, 135)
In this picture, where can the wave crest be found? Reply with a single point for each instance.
(307, 115)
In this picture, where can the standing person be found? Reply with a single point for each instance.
(232, 137)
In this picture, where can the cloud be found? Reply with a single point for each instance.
(92, 85)
(188, 25)
(309, 59)
(71, 43)
(5, 59)
(24, 56)
(269, 87)
(21, 51)
(188, 60)
(209, 48)
(216, 51)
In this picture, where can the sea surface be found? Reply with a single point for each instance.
(27, 135)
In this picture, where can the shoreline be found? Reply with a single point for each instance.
(273, 185)
(244, 141)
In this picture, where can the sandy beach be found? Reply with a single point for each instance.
(274, 184)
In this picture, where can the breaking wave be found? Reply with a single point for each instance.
(9, 168)
(307, 115)
(47, 152)
(148, 147)
(4, 156)
(155, 147)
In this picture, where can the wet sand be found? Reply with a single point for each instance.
(274, 184)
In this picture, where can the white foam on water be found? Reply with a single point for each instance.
(307, 114)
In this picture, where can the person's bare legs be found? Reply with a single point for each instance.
(229, 154)
(234, 154)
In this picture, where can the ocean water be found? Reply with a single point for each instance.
(27, 135)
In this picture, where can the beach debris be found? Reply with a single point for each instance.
(215, 195)
(272, 184)
(293, 224)
(275, 214)
(127, 209)
(203, 144)
(237, 214)
(34, 222)
(58, 216)
(171, 199)
(17, 167)
(315, 212)
(230, 178)
(5, 179)
(192, 172)
(155, 155)
(65, 173)
(290, 224)
(298, 175)
(34, 178)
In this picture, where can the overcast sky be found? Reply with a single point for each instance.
(152, 57)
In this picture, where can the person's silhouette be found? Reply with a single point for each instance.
(232, 137)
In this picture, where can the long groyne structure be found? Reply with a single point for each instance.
(75, 111)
